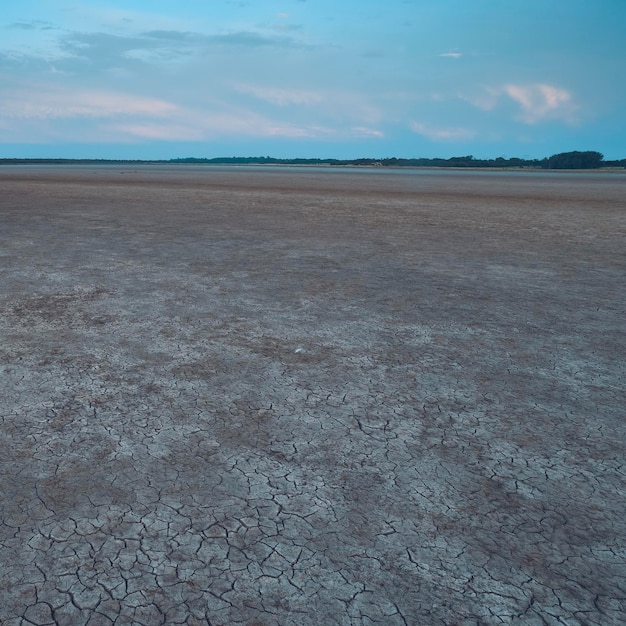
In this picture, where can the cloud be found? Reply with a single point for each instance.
(537, 102)
(540, 101)
(279, 96)
(339, 107)
(452, 55)
(361, 131)
(54, 103)
(442, 134)
(161, 132)
(297, 132)
(234, 38)
(177, 36)
(179, 84)
(353, 105)
(486, 100)
(77, 51)
(105, 50)
(252, 39)
(284, 28)
(202, 125)
(42, 114)
(33, 25)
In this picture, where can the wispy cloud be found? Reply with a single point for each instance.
(177, 36)
(294, 131)
(55, 103)
(253, 39)
(287, 28)
(110, 116)
(77, 50)
(33, 25)
(337, 108)
(539, 102)
(281, 96)
(152, 131)
(201, 126)
(362, 131)
(485, 99)
(452, 55)
(442, 133)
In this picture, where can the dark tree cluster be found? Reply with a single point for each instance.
(574, 161)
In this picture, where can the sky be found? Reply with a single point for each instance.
(160, 79)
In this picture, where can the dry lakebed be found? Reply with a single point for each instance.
(298, 396)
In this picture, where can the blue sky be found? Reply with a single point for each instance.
(311, 78)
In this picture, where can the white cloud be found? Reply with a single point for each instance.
(362, 131)
(540, 101)
(153, 131)
(201, 125)
(43, 114)
(442, 134)
(452, 55)
(293, 131)
(54, 103)
(537, 101)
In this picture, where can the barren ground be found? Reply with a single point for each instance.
(296, 397)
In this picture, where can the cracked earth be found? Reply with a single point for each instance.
(293, 397)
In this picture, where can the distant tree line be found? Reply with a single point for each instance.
(77, 161)
(562, 161)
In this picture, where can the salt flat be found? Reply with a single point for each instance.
(282, 396)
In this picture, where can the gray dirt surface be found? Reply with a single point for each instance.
(303, 396)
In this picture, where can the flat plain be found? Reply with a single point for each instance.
(280, 396)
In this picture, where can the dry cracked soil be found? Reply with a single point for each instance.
(279, 396)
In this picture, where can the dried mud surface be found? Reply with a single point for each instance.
(293, 397)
